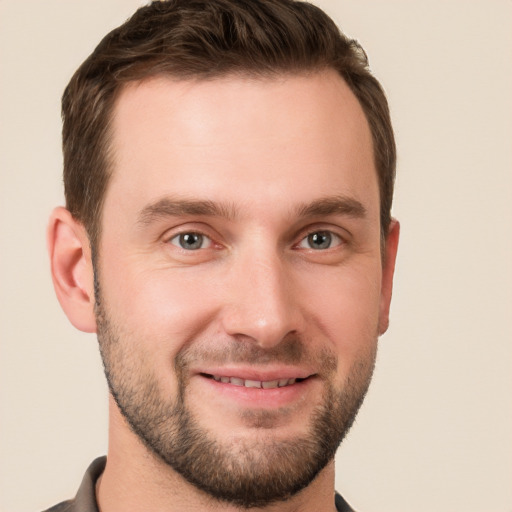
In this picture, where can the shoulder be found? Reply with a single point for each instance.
(85, 499)
(65, 506)
(341, 504)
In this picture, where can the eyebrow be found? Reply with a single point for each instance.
(333, 205)
(169, 207)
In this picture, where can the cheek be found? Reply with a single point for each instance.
(167, 306)
(346, 309)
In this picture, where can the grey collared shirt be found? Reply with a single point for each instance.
(85, 499)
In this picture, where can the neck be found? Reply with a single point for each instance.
(135, 479)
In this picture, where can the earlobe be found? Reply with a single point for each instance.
(388, 270)
(71, 268)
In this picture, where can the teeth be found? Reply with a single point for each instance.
(269, 384)
(253, 384)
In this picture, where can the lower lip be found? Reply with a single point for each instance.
(260, 397)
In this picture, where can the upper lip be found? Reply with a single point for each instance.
(258, 374)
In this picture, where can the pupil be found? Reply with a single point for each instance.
(191, 241)
(320, 240)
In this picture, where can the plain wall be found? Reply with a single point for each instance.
(435, 432)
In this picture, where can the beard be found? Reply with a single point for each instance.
(248, 473)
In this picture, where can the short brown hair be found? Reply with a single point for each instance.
(204, 39)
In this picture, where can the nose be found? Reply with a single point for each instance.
(262, 302)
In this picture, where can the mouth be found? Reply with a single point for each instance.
(250, 388)
(249, 383)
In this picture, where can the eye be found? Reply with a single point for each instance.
(191, 241)
(320, 240)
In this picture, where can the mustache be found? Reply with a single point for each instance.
(292, 350)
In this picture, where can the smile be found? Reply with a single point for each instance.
(269, 384)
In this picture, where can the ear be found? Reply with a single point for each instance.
(71, 267)
(388, 270)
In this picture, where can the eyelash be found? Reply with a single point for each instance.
(332, 237)
(184, 234)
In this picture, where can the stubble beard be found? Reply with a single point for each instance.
(248, 473)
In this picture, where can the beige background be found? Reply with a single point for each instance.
(436, 430)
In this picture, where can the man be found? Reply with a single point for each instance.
(228, 169)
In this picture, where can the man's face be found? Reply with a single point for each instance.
(239, 276)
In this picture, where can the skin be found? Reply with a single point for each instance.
(261, 151)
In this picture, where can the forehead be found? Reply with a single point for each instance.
(284, 138)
